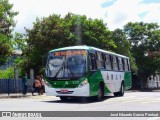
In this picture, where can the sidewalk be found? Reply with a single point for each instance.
(19, 95)
(15, 95)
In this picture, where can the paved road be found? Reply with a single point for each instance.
(131, 101)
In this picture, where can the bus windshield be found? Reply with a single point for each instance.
(66, 64)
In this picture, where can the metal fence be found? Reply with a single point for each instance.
(9, 86)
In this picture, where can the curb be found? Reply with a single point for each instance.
(5, 96)
(14, 96)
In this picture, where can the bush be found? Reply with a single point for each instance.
(8, 73)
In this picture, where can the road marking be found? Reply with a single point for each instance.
(132, 99)
(42, 97)
(154, 118)
(120, 98)
(136, 100)
(152, 100)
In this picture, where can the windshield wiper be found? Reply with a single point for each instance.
(56, 74)
(70, 70)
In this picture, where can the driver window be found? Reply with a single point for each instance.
(92, 61)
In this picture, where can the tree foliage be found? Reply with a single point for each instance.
(6, 26)
(8, 73)
(145, 41)
(4, 48)
(54, 32)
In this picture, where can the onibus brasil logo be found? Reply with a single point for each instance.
(21, 114)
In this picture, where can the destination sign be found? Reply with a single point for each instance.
(69, 53)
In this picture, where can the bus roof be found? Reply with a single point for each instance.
(87, 48)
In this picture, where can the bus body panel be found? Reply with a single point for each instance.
(79, 91)
(94, 82)
(112, 83)
(113, 80)
(65, 83)
(128, 80)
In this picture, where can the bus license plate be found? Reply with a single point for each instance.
(64, 91)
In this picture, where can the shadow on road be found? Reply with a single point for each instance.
(79, 100)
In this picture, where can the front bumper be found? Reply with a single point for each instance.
(77, 92)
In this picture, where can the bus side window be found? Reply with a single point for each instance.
(120, 64)
(114, 63)
(92, 61)
(125, 64)
(104, 59)
(100, 61)
(108, 62)
(129, 68)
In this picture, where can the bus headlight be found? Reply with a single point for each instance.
(83, 83)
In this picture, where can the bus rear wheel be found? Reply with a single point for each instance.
(64, 98)
(121, 92)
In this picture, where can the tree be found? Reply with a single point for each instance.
(6, 26)
(4, 49)
(19, 42)
(145, 39)
(55, 32)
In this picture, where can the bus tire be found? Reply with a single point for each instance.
(64, 98)
(121, 92)
(100, 92)
(116, 94)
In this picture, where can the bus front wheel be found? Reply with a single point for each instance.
(100, 93)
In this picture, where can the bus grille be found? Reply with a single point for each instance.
(59, 92)
(65, 86)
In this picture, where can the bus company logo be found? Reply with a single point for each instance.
(6, 114)
(66, 83)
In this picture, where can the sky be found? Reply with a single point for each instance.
(116, 13)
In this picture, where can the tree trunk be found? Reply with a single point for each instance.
(143, 82)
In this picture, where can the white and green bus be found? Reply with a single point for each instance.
(84, 71)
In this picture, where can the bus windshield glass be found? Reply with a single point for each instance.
(66, 64)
